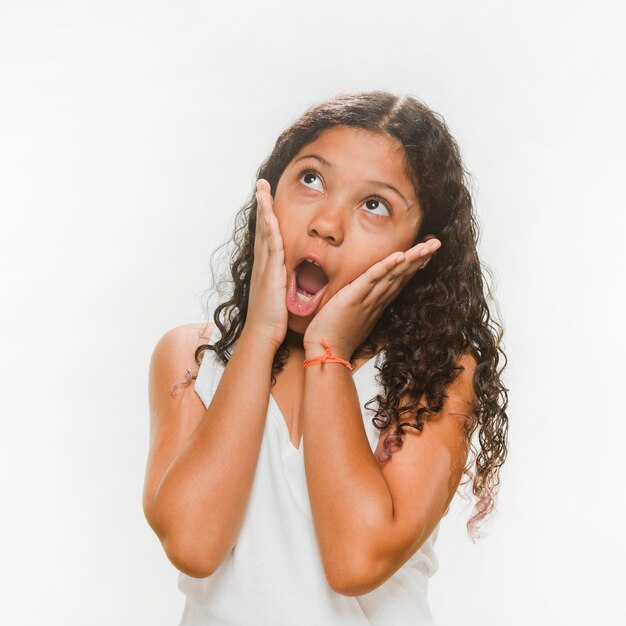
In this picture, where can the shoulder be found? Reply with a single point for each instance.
(462, 387)
(173, 416)
(461, 390)
(182, 337)
(175, 350)
(424, 473)
(458, 407)
(462, 398)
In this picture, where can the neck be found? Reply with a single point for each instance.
(294, 340)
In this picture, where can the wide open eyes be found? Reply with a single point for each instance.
(310, 177)
(309, 174)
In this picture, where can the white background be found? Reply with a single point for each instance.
(130, 133)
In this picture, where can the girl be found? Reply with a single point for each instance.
(302, 479)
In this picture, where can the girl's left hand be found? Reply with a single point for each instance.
(348, 318)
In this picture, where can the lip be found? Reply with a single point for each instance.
(299, 308)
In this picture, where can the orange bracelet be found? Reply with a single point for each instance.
(326, 358)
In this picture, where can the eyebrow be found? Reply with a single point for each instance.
(328, 164)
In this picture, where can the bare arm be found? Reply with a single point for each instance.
(369, 519)
(202, 462)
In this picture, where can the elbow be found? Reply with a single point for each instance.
(184, 553)
(353, 577)
(187, 560)
(353, 586)
(343, 588)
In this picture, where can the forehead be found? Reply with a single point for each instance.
(367, 154)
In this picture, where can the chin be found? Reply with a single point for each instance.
(298, 324)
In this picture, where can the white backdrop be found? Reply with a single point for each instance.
(130, 133)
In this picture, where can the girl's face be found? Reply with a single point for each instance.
(345, 199)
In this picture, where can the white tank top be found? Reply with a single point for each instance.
(274, 575)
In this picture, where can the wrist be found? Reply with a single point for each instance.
(316, 348)
(261, 340)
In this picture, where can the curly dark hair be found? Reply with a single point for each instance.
(441, 313)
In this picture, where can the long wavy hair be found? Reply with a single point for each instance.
(440, 314)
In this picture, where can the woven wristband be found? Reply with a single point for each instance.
(326, 358)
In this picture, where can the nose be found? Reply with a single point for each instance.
(327, 222)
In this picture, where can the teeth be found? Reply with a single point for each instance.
(314, 262)
(303, 297)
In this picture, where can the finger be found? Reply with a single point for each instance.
(264, 199)
(264, 190)
(260, 234)
(415, 258)
(377, 272)
(263, 185)
(426, 252)
(423, 249)
(388, 276)
(271, 237)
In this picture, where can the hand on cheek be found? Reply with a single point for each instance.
(347, 319)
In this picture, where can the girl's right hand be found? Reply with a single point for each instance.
(267, 311)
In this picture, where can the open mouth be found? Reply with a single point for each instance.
(307, 285)
(310, 278)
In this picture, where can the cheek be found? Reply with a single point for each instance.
(363, 263)
(283, 209)
(279, 213)
(352, 269)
